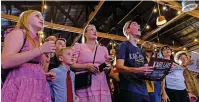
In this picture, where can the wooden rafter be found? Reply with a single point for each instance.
(69, 9)
(66, 13)
(79, 30)
(130, 12)
(146, 36)
(177, 6)
(92, 15)
(172, 29)
(191, 42)
(90, 18)
(185, 35)
(82, 10)
(193, 48)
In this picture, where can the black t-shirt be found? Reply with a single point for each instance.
(54, 63)
(133, 57)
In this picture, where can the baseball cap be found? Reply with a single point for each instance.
(137, 19)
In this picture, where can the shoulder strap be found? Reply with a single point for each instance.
(95, 54)
(24, 41)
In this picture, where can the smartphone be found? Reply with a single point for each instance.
(102, 66)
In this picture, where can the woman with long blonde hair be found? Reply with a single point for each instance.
(26, 81)
(85, 52)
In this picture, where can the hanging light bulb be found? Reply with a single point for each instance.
(188, 5)
(161, 19)
(154, 10)
(164, 7)
(178, 12)
(195, 40)
(45, 6)
(184, 48)
(147, 27)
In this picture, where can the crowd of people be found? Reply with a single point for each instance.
(49, 72)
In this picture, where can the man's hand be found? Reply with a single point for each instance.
(144, 70)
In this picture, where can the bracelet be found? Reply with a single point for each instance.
(40, 50)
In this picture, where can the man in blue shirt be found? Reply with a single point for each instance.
(59, 87)
(132, 66)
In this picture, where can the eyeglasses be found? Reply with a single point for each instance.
(166, 48)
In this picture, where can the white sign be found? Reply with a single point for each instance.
(194, 66)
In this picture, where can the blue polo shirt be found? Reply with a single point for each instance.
(59, 87)
(133, 57)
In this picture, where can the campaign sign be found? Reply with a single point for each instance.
(161, 69)
(194, 65)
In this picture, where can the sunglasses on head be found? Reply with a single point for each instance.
(166, 48)
(61, 39)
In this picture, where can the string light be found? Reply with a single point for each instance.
(178, 12)
(184, 48)
(110, 43)
(195, 40)
(138, 40)
(42, 36)
(164, 7)
(154, 10)
(147, 27)
(45, 6)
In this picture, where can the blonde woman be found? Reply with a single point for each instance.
(99, 90)
(26, 82)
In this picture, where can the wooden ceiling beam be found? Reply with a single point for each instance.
(185, 35)
(130, 12)
(191, 42)
(194, 48)
(126, 12)
(79, 30)
(82, 10)
(49, 2)
(177, 6)
(92, 15)
(58, 5)
(69, 9)
(90, 18)
(146, 36)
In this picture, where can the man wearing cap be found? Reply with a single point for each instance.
(132, 66)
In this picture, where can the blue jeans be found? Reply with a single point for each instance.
(154, 97)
